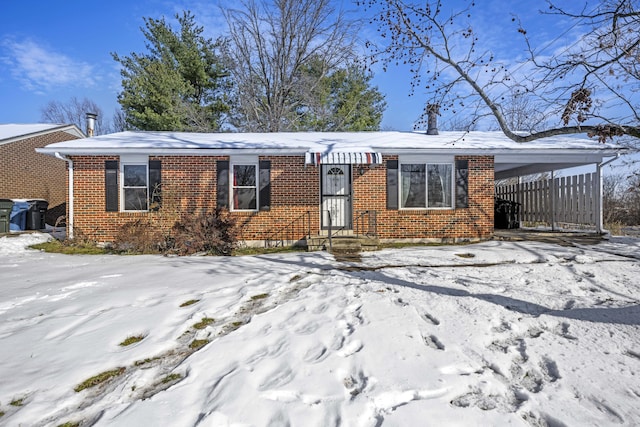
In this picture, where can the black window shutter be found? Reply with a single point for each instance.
(265, 185)
(392, 184)
(111, 185)
(462, 183)
(155, 184)
(222, 188)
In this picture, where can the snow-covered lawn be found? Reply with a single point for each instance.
(496, 333)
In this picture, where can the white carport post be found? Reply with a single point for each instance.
(552, 199)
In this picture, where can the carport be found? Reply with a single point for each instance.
(556, 198)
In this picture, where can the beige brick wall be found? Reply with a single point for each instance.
(25, 174)
(189, 185)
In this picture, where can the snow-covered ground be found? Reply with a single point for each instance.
(496, 333)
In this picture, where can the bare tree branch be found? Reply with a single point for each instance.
(579, 87)
(269, 42)
(74, 112)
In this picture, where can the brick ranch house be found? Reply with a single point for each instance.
(400, 186)
(25, 174)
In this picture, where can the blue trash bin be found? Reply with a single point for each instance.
(18, 221)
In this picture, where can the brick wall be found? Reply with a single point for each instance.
(189, 185)
(25, 174)
(474, 222)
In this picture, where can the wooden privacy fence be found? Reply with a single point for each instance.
(568, 200)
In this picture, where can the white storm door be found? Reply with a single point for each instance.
(336, 196)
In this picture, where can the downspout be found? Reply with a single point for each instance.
(600, 213)
(70, 218)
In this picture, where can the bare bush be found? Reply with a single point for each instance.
(140, 236)
(211, 233)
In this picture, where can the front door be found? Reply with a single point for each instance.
(336, 196)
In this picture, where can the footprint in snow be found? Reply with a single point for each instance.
(400, 302)
(338, 342)
(476, 398)
(320, 309)
(315, 354)
(430, 319)
(433, 342)
(257, 356)
(563, 330)
(534, 332)
(277, 348)
(550, 369)
(502, 327)
(356, 383)
(604, 407)
(307, 329)
(350, 349)
(281, 376)
(531, 380)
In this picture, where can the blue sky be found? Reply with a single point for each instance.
(54, 50)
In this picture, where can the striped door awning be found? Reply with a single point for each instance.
(356, 158)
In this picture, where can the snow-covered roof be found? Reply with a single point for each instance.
(302, 142)
(565, 151)
(11, 132)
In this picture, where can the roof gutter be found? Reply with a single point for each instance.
(70, 129)
(616, 157)
(70, 199)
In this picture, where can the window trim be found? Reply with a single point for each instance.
(244, 162)
(427, 162)
(132, 162)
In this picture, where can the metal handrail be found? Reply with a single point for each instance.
(291, 230)
(371, 223)
(362, 228)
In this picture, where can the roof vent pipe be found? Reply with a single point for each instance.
(91, 124)
(432, 118)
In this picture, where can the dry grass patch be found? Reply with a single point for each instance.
(198, 344)
(17, 402)
(71, 247)
(465, 255)
(189, 302)
(99, 379)
(131, 340)
(145, 361)
(206, 321)
(170, 378)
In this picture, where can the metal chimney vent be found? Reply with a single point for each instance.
(91, 124)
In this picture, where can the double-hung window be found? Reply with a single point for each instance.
(244, 183)
(244, 187)
(133, 184)
(135, 188)
(426, 185)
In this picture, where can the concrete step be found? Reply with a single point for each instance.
(353, 244)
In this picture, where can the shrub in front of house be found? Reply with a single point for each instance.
(140, 236)
(212, 233)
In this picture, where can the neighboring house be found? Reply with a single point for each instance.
(26, 174)
(290, 186)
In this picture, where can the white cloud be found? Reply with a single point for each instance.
(39, 68)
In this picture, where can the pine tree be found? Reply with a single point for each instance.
(179, 84)
(340, 100)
